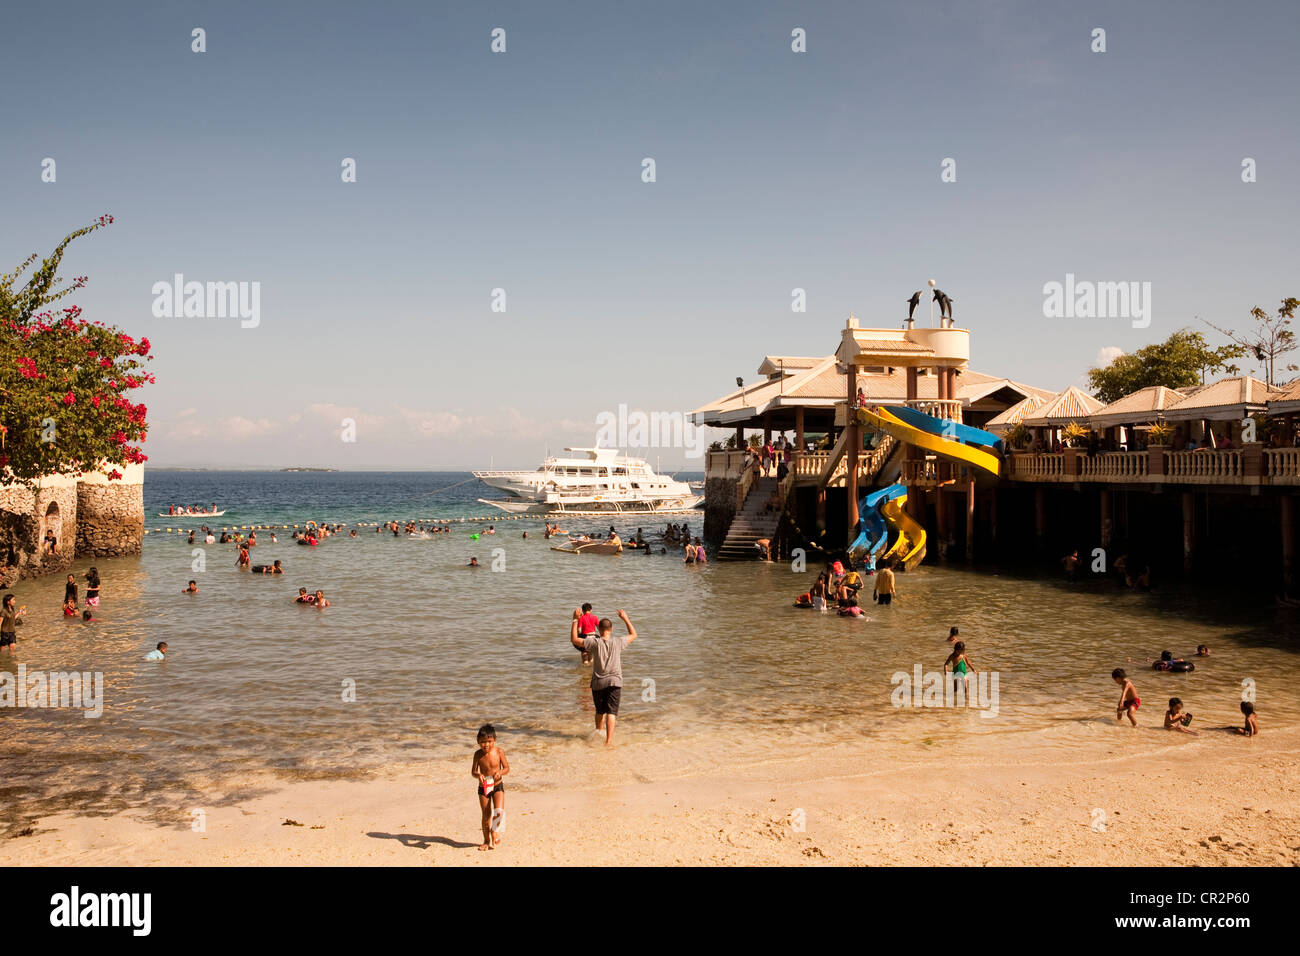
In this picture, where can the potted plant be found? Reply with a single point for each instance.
(1074, 435)
(1018, 436)
(1159, 434)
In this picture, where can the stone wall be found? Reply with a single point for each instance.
(25, 514)
(719, 508)
(110, 519)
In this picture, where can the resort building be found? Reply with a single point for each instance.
(1162, 477)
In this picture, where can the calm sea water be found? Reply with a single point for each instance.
(433, 649)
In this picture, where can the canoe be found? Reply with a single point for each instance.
(589, 547)
(194, 514)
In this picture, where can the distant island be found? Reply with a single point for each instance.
(308, 469)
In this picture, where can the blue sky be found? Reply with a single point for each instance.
(522, 171)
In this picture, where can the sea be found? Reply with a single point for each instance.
(418, 650)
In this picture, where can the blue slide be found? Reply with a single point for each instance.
(953, 431)
(874, 530)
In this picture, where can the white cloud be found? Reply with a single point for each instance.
(1108, 354)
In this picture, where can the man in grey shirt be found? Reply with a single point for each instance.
(606, 653)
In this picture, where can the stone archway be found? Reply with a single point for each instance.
(52, 521)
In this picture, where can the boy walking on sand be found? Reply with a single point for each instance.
(489, 766)
(606, 652)
(1129, 701)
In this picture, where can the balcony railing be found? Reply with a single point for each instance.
(1043, 466)
(1282, 465)
(1204, 466)
(1116, 466)
(945, 408)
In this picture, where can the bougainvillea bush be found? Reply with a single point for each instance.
(66, 384)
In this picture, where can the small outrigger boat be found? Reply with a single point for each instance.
(589, 546)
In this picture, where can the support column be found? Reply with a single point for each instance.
(851, 451)
(740, 439)
(1106, 522)
(941, 519)
(1189, 529)
(1288, 543)
(767, 429)
(970, 520)
(798, 430)
(993, 514)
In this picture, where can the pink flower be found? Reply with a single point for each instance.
(69, 399)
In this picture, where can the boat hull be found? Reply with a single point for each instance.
(521, 506)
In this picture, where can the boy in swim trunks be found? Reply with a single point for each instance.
(1129, 701)
(489, 766)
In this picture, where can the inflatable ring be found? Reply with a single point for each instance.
(1174, 667)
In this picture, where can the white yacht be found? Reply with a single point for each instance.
(592, 481)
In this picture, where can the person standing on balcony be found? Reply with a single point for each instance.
(768, 452)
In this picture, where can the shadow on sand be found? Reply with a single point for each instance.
(421, 842)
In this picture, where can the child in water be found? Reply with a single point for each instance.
(489, 766)
(1251, 729)
(192, 589)
(1175, 719)
(1129, 701)
(70, 607)
(158, 653)
(962, 667)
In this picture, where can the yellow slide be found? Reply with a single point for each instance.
(903, 432)
(910, 546)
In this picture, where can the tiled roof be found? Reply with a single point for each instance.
(1016, 413)
(1071, 405)
(1230, 393)
(1142, 405)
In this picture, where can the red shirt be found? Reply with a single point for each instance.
(587, 624)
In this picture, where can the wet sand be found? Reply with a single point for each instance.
(1212, 800)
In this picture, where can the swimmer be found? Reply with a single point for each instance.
(304, 598)
(1129, 701)
(1175, 719)
(700, 556)
(1251, 728)
(952, 635)
(1202, 650)
(851, 609)
(473, 563)
(525, 535)
(268, 568)
(158, 653)
(87, 617)
(70, 607)
(192, 589)
(320, 600)
(243, 563)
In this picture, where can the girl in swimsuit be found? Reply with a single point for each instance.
(962, 667)
(92, 587)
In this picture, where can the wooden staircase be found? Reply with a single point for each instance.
(752, 522)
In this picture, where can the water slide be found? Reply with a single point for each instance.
(874, 529)
(930, 433)
(910, 546)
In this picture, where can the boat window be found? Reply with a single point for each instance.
(620, 471)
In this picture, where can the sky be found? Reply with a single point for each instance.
(522, 171)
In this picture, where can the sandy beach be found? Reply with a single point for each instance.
(1213, 800)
